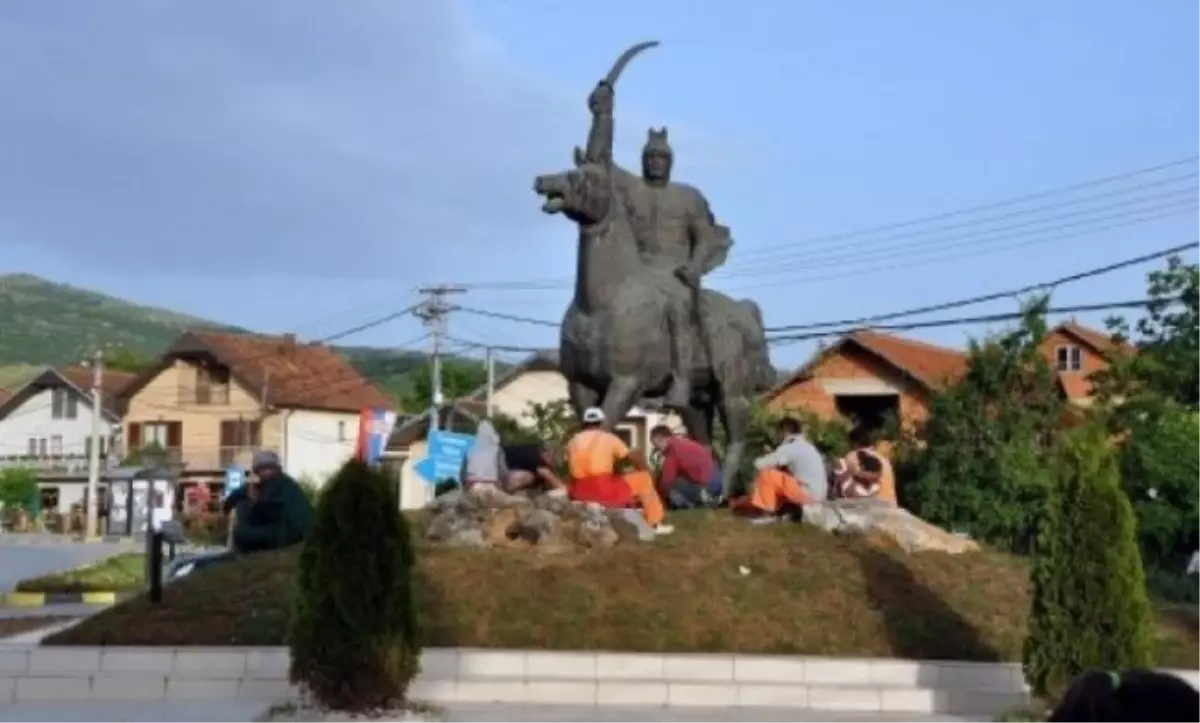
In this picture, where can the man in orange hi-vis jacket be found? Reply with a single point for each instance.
(592, 458)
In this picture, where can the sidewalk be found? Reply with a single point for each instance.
(245, 711)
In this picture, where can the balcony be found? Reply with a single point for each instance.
(204, 394)
(54, 465)
(218, 458)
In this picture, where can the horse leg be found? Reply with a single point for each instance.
(622, 394)
(698, 423)
(581, 397)
(735, 417)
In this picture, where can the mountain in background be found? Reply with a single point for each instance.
(43, 323)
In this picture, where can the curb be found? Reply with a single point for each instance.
(20, 539)
(46, 599)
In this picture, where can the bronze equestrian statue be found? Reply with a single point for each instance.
(639, 324)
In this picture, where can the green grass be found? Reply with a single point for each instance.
(807, 593)
(119, 573)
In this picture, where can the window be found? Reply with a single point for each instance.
(625, 434)
(72, 406)
(42, 447)
(33, 446)
(48, 497)
(1068, 358)
(341, 431)
(56, 447)
(58, 400)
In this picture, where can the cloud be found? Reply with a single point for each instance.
(309, 138)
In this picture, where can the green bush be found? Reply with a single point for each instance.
(19, 490)
(354, 637)
(1088, 605)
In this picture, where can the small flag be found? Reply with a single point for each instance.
(374, 429)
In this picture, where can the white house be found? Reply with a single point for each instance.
(537, 380)
(46, 425)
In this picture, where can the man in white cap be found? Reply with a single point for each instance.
(593, 455)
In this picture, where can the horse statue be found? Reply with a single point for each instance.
(614, 349)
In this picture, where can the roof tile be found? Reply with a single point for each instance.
(932, 365)
(294, 374)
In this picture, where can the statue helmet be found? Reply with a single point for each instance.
(657, 141)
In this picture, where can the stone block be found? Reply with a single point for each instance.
(209, 664)
(912, 700)
(980, 677)
(844, 697)
(724, 695)
(751, 695)
(634, 694)
(560, 693)
(8, 687)
(53, 689)
(439, 664)
(698, 667)
(64, 661)
(266, 690)
(629, 666)
(573, 666)
(433, 691)
(974, 703)
(826, 671)
(268, 663)
(15, 661)
(125, 686)
(766, 669)
(909, 673)
(490, 691)
(491, 664)
(121, 661)
(202, 689)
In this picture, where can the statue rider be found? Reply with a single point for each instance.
(675, 230)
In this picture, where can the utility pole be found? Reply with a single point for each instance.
(94, 456)
(435, 312)
(491, 380)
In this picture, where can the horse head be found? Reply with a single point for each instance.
(584, 194)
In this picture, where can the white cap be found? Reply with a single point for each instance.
(593, 415)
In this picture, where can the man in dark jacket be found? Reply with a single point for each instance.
(273, 512)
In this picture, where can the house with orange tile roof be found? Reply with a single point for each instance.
(868, 376)
(215, 398)
(46, 425)
(1075, 352)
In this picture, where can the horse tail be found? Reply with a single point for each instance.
(764, 378)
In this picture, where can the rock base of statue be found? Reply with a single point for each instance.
(305, 712)
(485, 516)
(873, 518)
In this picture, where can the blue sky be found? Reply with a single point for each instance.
(302, 165)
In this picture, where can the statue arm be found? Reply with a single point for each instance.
(602, 132)
(711, 242)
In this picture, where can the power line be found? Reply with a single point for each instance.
(1009, 316)
(506, 317)
(807, 259)
(1045, 285)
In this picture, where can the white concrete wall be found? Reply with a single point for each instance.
(316, 444)
(32, 419)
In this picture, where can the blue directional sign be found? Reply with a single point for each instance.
(445, 454)
(235, 477)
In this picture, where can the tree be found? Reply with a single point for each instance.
(127, 360)
(354, 636)
(19, 489)
(976, 464)
(1088, 606)
(460, 377)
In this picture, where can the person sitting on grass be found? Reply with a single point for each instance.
(531, 466)
(788, 478)
(593, 456)
(484, 464)
(272, 512)
(689, 477)
(1135, 695)
(865, 473)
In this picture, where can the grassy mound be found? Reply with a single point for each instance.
(806, 592)
(125, 572)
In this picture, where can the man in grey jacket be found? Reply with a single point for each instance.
(791, 476)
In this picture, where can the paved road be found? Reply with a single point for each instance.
(19, 561)
(234, 711)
